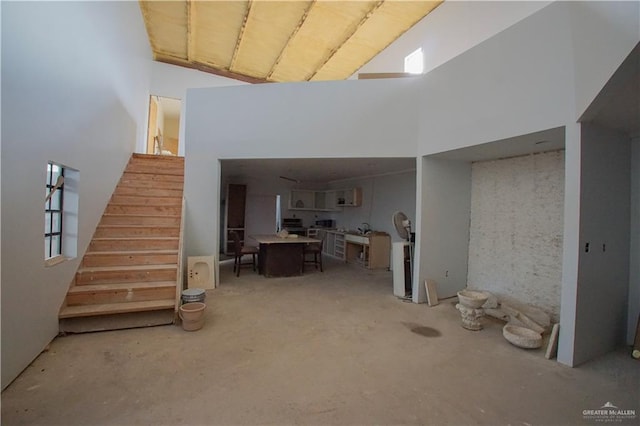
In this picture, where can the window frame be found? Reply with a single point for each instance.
(54, 250)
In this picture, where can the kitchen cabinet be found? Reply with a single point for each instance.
(328, 201)
(304, 199)
(334, 243)
(301, 200)
(349, 197)
(325, 200)
(371, 251)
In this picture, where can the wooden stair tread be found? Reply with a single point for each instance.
(119, 226)
(115, 308)
(131, 252)
(141, 204)
(173, 216)
(120, 286)
(127, 268)
(146, 175)
(154, 170)
(135, 237)
(157, 157)
(134, 198)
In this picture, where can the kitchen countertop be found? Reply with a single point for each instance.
(274, 239)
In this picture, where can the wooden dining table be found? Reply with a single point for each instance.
(281, 257)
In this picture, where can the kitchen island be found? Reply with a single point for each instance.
(281, 257)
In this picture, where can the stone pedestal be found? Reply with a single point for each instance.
(471, 317)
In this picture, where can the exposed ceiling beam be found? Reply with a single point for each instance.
(242, 28)
(291, 37)
(364, 19)
(207, 68)
(191, 29)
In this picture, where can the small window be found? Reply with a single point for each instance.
(54, 199)
(414, 62)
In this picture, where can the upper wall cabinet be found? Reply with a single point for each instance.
(349, 197)
(304, 199)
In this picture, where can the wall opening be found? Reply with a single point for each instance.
(163, 125)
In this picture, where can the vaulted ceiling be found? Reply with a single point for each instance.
(263, 40)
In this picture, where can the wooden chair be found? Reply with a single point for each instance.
(316, 250)
(240, 251)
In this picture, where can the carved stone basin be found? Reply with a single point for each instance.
(522, 337)
(472, 299)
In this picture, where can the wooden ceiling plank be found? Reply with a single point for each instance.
(166, 26)
(364, 19)
(258, 52)
(382, 29)
(315, 40)
(239, 41)
(219, 24)
(293, 34)
(325, 27)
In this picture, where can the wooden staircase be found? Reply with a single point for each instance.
(131, 274)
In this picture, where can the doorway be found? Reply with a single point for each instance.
(164, 125)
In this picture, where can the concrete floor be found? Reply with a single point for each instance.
(327, 348)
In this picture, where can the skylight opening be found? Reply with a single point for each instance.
(414, 62)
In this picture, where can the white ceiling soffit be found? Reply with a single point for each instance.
(531, 143)
(263, 40)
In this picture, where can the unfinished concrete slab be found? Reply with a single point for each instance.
(332, 348)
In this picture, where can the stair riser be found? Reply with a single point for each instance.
(132, 177)
(146, 201)
(120, 296)
(148, 192)
(144, 210)
(140, 220)
(143, 231)
(177, 170)
(129, 260)
(117, 321)
(141, 184)
(168, 244)
(107, 277)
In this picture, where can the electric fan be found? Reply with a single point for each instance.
(403, 227)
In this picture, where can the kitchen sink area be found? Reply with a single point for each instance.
(369, 249)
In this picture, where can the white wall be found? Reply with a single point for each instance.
(75, 91)
(443, 227)
(382, 196)
(451, 29)
(603, 34)
(603, 274)
(370, 118)
(262, 191)
(515, 83)
(515, 244)
(634, 257)
(172, 82)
